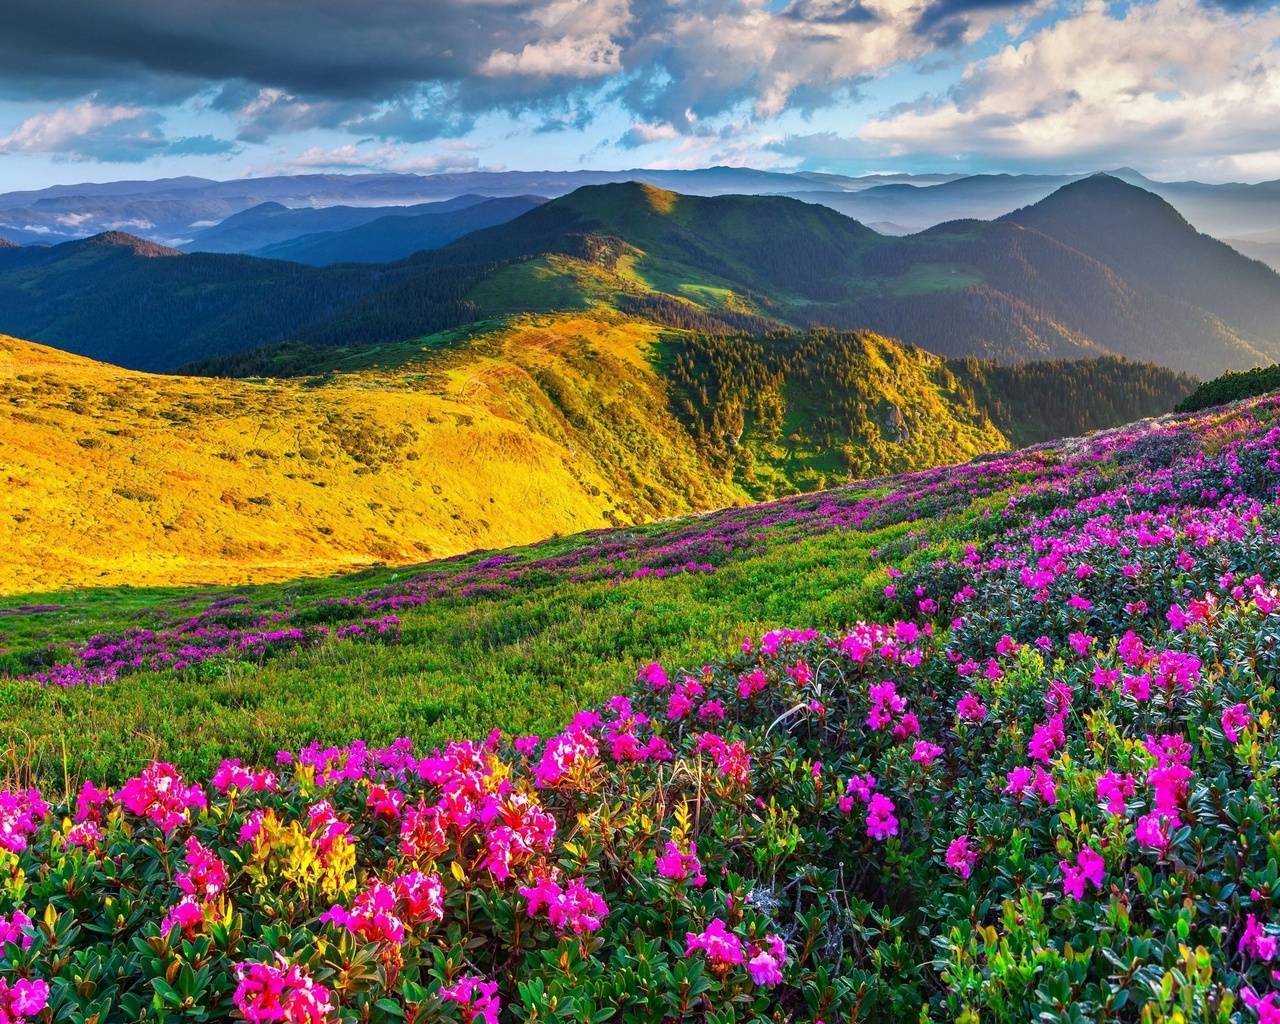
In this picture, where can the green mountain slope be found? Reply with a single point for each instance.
(722, 264)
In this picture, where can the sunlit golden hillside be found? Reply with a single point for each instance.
(482, 437)
(110, 476)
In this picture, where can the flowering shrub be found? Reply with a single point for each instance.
(1042, 787)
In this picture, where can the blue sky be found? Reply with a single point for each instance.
(224, 88)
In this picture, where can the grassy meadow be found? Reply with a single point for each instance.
(522, 662)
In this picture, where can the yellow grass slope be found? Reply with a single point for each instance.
(485, 437)
(109, 476)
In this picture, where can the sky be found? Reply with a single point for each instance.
(126, 89)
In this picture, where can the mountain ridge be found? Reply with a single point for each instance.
(715, 265)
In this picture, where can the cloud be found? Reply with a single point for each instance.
(415, 70)
(1177, 82)
(110, 133)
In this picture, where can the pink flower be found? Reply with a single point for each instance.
(1266, 1007)
(161, 795)
(280, 993)
(1090, 867)
(908, 726)
(16, 929)
(653, 676)
(420, 897)
(564, 753)
(1080, 643)
(1007, 645)
(681, 866)
(477, 998)
(23, 1000)
(90, 801)
(880, 820)
(1234, 719)
(1021, 780)
(885, 703)
(970, 708)
(20, 816)
(859, 786)
(765, 966)
(206, 875)
(186, 914)
(1114, 789)
(373, 916)
(960, 858)
(572, 909)
(925, 752)
(722, 948)
(752, 683)
(1047, 738)
(1256, 942)
(1155, 831)
(230, 775)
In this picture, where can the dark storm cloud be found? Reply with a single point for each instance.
(415, 70)
(946, 21)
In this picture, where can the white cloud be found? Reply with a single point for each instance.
(593, 56)
(1168, 83)
(63, 130)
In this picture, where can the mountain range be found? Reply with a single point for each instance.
(185, 212)
(174, 210)
(1101, 267)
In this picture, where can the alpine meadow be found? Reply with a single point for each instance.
(609, 511)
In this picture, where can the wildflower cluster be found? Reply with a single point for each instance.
(1041, 787)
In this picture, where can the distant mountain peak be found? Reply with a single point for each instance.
(1101, 197)
(120, 240)
(6, 244)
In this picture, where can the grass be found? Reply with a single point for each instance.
(923, 278)
(521, 662)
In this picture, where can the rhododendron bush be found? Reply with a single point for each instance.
(1043, 786)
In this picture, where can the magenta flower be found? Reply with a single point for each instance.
(1235, 719)
(1090, 867)
(681, 866)
(16, 928)
(653, 676)
(161, 795)
(22, 1001)
(764, 963)
(1256, 942)
(476, 998)
(20, 815)
(572, 909)
(1114, 790)
(283, 992)
(881, 822)
(960, 858)
(722, 948)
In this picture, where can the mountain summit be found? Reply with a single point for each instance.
(1146, 241)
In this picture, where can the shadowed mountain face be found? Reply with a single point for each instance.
(391, 238)
(1071, 276)
(271, 223)
(1149, 243)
